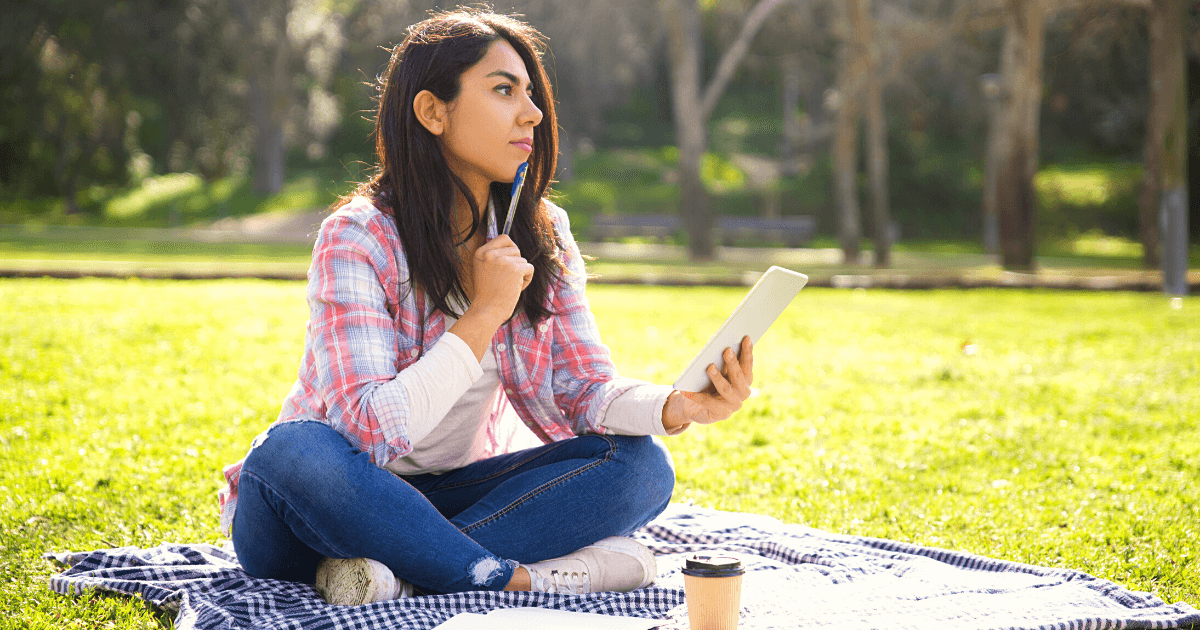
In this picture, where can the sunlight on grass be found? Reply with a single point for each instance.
(1075, 199)
(1078, 187)
(302, 193)
(177, 198)
(720, 175)
(594, 195)
(153, 191)
(1050, 428)
(185, 198)
(1007, 424)
(1096, 243)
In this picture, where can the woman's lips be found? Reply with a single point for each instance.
(524, 145)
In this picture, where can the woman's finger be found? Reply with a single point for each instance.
(527, 276)
(722, 385)
(497, 253)
(500, 246)
(733, 373)
(502, 240)
(746, 358)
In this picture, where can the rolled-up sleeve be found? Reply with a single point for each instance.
(639, 411)
(352, 338)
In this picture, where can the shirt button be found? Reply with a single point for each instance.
(500, 347)
(414, 352)
(543, 326)
(509, 392)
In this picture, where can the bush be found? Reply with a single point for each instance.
(1078, 199)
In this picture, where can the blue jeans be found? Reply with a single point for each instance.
(305, 493)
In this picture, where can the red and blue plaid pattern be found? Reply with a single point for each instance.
(365, 326)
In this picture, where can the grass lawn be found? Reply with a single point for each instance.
(95, 251)
(108, 251)
(1045, 427)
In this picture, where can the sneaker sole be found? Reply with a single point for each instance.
(354, 581)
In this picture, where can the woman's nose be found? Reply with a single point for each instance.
(531, 114)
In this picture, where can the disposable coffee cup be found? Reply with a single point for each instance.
(713, 586)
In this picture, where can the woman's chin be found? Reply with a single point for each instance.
(507, 178)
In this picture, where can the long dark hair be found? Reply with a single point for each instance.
(413, 179)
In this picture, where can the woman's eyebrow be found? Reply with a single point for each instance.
(506, 74)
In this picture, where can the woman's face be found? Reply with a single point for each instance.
(489, 126)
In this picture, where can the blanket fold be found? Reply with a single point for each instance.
(797, 577)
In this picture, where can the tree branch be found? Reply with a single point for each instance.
(734, 54)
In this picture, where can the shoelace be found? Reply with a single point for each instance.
(563, 582)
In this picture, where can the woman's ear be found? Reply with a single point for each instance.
(430, 111)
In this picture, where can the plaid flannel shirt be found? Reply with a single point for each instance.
(365, 327)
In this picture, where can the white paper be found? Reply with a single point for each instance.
(545, 619)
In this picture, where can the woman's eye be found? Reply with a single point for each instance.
(507, 90)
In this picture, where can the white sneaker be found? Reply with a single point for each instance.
(358, 581)
(613, 564)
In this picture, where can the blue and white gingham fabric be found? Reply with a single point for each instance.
(797, 577)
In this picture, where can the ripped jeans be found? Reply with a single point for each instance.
(305, 493)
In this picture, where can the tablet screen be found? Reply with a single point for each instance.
(758, 310)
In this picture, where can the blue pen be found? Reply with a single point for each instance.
(516, 194)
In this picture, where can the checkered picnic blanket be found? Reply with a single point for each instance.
(797, 577)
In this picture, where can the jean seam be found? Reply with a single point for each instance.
(299, 514)
(545, 487)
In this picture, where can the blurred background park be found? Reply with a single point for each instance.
(869, 144)
(1019, 136)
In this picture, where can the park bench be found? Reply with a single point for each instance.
(792, 231)
(614, 226)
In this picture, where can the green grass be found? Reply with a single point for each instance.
(95, 247)
(55, 249)
(1067, 438)
(184, 199)
(47, 249)
(1088, 197)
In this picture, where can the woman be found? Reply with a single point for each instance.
(387, 468)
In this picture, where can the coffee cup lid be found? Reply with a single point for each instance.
(701, 565)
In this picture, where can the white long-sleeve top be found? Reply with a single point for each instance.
(449, 390)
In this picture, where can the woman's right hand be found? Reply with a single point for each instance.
(500, 274)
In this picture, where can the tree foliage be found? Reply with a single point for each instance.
(95, 94)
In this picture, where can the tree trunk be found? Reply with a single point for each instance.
(269, 89)
(698, 218)
(690, 132)
(993, 91)
(877, 158)
(1017, 146)
(853, 66)
(1150, 193)
(789, 149)
(845, 178)
(1163, 211)
(64, 170)
(693, 105)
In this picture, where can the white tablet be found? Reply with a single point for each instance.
(758, 310)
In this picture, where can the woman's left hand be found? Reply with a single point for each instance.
(723, 396)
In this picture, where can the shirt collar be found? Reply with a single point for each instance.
(492, 231)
